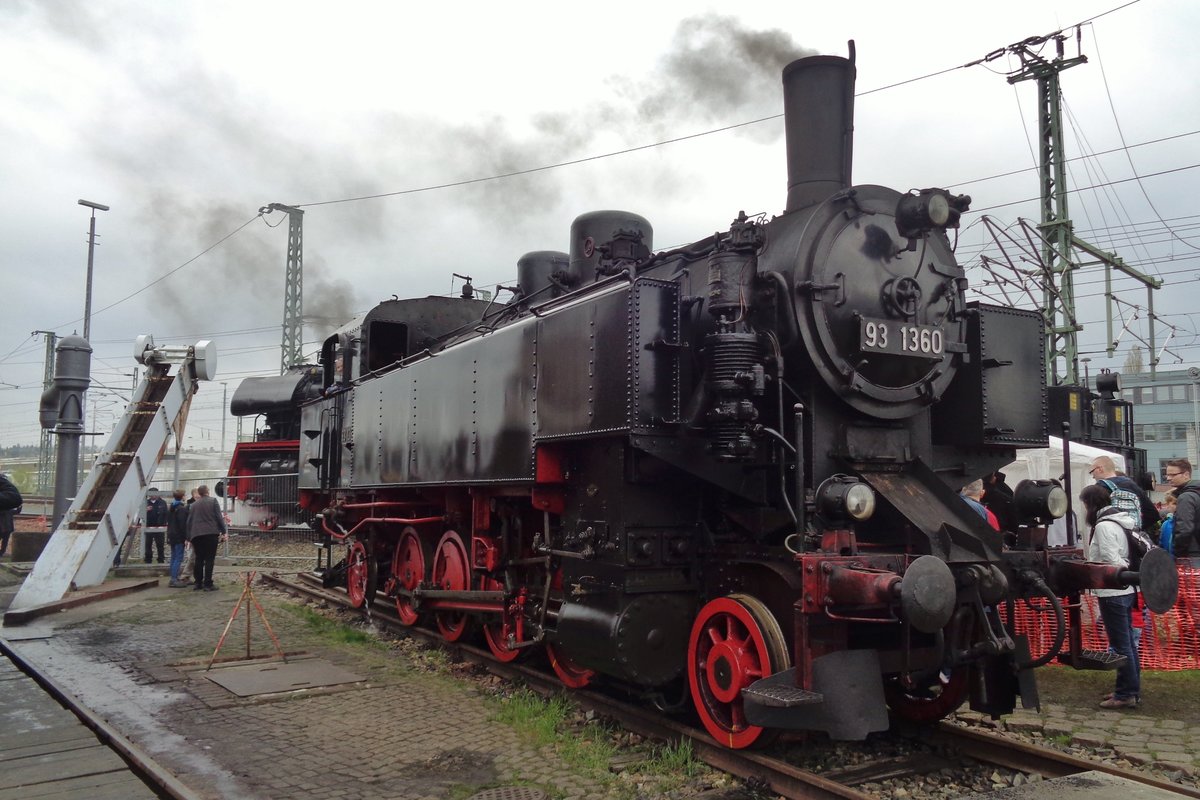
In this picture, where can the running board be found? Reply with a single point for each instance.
(846, 702)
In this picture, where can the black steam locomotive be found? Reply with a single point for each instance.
(727, 472)
(263, 473)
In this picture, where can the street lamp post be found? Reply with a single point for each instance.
(87, 303)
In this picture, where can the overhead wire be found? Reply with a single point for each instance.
(981, 61)
(1121, 133)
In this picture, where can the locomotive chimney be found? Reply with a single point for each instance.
(818, 105)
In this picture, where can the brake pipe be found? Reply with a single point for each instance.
(384, 520)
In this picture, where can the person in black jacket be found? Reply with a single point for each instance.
(177, 515)
(1187, 510)
(155, 520)
(205, 526)
(10, 501)
(10, 495)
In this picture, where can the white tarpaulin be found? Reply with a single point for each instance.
(1040, 463)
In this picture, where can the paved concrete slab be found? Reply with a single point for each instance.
(402, 731)
(252, 679)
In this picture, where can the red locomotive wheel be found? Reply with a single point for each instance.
(571, 674)
(451, 571)
(408, 570)
(497, 631)
(927, 702)
(269, 523)
(734, 642)
(358, 574)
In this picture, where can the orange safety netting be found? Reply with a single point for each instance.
(1170, 641)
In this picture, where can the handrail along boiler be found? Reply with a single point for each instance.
(726, 472)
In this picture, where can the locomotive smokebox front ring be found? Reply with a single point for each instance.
(882, 324)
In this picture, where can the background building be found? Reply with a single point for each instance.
(1165, 415)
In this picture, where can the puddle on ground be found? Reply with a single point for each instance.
(132, 708)
(459, 766)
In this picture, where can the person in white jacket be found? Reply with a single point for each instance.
(1109, 545)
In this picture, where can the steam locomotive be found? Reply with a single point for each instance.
(723, 475)
(263, 473)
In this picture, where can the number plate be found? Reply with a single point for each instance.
(900, 338)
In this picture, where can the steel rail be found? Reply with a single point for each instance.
(159, 778)
(1026, 757)
(784, 779)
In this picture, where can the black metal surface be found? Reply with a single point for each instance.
(642, 639)
(591, 236)
(851, 702)
(851, 257)
(1000, 398)
(1159, 580)
(1094, 659)
(542, 274)
(276, 393)
(955, 532)
(818, 97)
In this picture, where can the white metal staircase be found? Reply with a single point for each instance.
(81, 549)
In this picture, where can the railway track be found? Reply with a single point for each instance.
(154, 775)
(779, 776)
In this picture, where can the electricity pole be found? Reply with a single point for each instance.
(293, 287)
(1058, 236)
(46, 447)
(87, 304)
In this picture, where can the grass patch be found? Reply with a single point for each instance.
(547, 722)
(533, 716)
(1165, 695)
(332, 631)
(674, 759)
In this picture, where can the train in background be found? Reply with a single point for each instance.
(263, 473)
(1099, 418)
(724, 475)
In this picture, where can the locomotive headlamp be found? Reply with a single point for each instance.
(938, 210)
(845, 496)
(927, 210)
(1039, 501)
(1108, 384)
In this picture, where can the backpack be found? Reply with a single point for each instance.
(1139, 543)
(1125, 500)
(1139, 546)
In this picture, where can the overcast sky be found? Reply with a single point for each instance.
(186, 117)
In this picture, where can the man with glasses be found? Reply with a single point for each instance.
(1104, 470)
(1187, 512)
